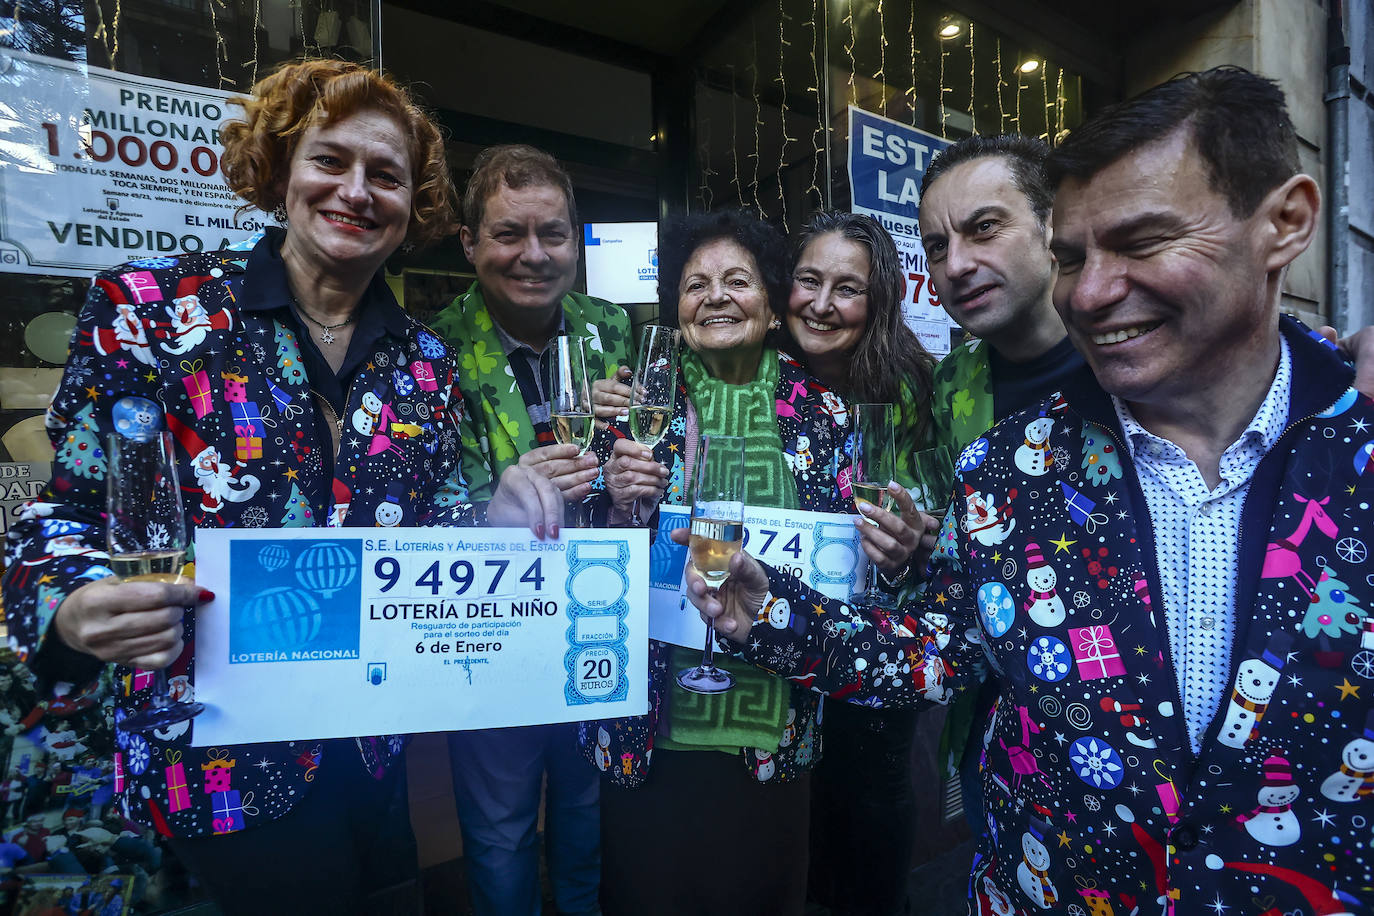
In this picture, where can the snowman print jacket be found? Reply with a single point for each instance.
(1095, 802)
(201, 335)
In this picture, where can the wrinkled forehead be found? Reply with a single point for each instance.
(984, 182)
(1165, 176)
(530, 202)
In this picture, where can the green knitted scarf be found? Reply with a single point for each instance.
(754, 712)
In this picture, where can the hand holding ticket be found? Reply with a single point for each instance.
(338, 632)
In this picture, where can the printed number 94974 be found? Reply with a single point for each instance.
(461, 575)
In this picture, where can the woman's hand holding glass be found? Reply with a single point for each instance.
(136, 624)
(633, 477)
(896, 534)
(733, 606)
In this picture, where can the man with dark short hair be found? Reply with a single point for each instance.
(985, 209)
(1166, 563)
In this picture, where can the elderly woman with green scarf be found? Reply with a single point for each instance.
(698, 767)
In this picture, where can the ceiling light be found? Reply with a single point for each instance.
(1029, 66)
(950, 30)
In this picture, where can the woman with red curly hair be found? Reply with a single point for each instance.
(299, 394)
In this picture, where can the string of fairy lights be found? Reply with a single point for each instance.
(860, 30)
(220, 16)
(783, 45)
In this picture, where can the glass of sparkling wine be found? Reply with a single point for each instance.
(935, 480)
(570, 399)
(715, 537)
(146, 536)
(651, 395)
(875, 462)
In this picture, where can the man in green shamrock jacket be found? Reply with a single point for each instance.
(520, 231)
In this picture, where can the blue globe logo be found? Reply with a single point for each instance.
(326, 567)
(273, 557)
(290, 616)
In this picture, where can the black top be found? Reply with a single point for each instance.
(1016, 386)
(265, 289)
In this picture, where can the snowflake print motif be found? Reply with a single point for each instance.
(973, 455)
(1048, 659)
(1096, 763)
(1061, 456)
(254, 517)
(381, 360)
(1351, 550)
(153, 263)
(138, 755)
(955, 590)
(1092, 803)
(1363, 664)
(396, 744)
(159, 538)
(1081, 599)
(832, 629)
(259, 351)
(121, 736)
(430, 345)
(79, 369)
(887, 669)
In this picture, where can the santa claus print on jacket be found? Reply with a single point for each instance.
(1095, 801)
(205, 341)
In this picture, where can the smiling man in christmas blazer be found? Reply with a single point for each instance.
(1192, 732)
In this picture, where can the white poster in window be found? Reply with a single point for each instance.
(99, 167)
(622, 261)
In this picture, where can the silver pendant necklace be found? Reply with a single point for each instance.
(327, 330)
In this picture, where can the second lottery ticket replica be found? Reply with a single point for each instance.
(321, 633)
(819, 548)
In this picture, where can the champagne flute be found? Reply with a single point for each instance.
(652, 392)
(875, 461)
(715, 537)
(935, 478)
(570, 399)
(146, 535)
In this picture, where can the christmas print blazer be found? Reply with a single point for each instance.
(813, 425)
(1095, 801)
(234, 391)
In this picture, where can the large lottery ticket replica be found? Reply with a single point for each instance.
(325, 633)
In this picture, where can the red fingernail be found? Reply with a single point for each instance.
(206, 596)
(539, 531)
(553, 532)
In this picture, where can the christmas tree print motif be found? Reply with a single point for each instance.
(677, 488)
(1334, 611)
(288, 356)
(81, 451)
(48, 600)
(1101, 463)
(297, 513)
